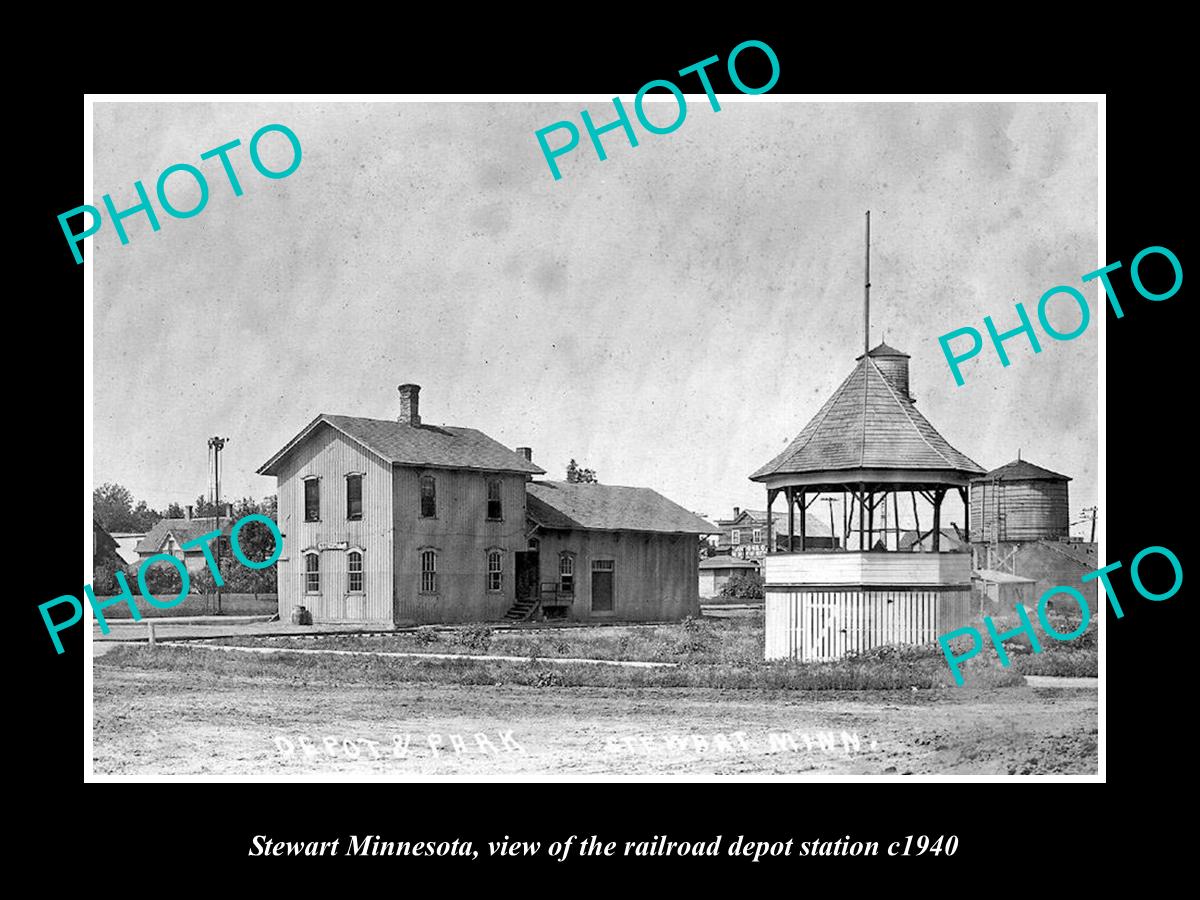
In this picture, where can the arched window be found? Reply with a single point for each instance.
(354, 566)
(312, 572)
(428, 571)
(534, 544)
(566, 573)
(495, 570)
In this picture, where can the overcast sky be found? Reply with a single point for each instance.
(670, 317)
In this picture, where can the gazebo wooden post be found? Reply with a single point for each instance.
(771, 492)
(965, 493)
(938, 496)
(803, 519)
(791, 502)
(896, 510)
(862, 512)
(871, 521)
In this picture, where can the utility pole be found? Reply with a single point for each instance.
(216, 445)
(1093, 510)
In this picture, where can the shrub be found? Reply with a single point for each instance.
(475, 637)
(744, 586)
(426, 636)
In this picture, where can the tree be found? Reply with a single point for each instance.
(112, 506)
(578, 475)
(143, 517)
(174, 511)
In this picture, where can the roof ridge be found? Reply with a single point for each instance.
(916, 427)
(862, 450)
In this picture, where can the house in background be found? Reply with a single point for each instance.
(608, 551)
(715, 572)
(744, 536)
(127, 543)
(952, 540)
(399, 521)
(169, 535)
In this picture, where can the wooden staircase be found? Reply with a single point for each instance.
(522, 610)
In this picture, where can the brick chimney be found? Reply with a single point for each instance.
(189, 512)
(410, 395)
(737, 511)
(526, 452)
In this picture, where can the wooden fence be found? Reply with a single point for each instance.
(826, 624)
(197, 605)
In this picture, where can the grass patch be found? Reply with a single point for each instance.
(695, 640)
(887, 669)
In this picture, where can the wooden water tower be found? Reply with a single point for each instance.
(1019, 502)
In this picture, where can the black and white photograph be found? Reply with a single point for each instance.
(522, 438)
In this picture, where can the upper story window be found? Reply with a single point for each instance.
(494, 510)
(566, 573)
(312, 499)
(428, 497)
(428, 571)
(757, 536)
(735, 537)
(495, 574)
(354, 495)
(354, 566)
(312, 573)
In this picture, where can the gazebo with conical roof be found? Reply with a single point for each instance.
(869, 445)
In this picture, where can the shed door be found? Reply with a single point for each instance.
(602, 585)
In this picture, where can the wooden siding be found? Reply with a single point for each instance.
(867, 568)
(1019, 510)
(827, 624)
(654, 574)
(461, 534)
(330, 455)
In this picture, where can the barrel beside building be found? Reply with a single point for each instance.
(1020, 502)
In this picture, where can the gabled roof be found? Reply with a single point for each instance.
(398, 443)
(184, 530)
(814, 525)
(1020, 470)
(911, 537)
(609, 507)
(868, 424)
(727, 562)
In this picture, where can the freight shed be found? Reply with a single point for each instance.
(606, 551)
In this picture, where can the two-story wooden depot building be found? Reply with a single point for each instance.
(404, 522)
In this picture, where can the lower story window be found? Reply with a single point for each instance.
(354, 565)
(495, 574)
(312, 573)
(428, 572)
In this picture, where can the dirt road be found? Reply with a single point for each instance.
(168, 723)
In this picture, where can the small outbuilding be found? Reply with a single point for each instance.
(610, 552)
(1004, 590)
(715, 572)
